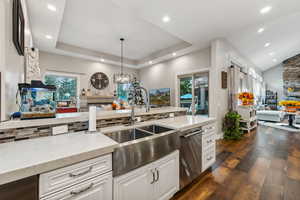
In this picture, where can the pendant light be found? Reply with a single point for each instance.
(122, 78)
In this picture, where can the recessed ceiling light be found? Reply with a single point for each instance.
(51, 7)
(260, 30)
(150, 62)
(274, 60)
(102, 60)
(272, 54)
(265, 10)
(49, 37)
(174, 54)
(267, 44)
(166, 19)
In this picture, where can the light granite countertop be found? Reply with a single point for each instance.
(35, 156)
(179, 123)
(83, 116)
(186, 121)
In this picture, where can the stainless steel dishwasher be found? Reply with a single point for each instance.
(190, 155)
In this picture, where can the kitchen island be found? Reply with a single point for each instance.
(78, 153)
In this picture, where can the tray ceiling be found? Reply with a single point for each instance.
(93, 28)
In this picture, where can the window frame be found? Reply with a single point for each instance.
(193, 74)
(70, 75)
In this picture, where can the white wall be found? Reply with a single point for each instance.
(163, 75)
(2, 54)
(83, 68)
(273, 77)
(11, 63)
(2, 34)
(222, 53)
(217, 58)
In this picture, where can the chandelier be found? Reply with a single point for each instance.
(121, 78)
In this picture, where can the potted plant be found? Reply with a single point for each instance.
(231, 126)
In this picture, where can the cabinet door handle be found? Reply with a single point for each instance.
(157, 172)
(81, 173)
(82, 190)
(153, 177)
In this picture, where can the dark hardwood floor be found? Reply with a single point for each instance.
(264, 165)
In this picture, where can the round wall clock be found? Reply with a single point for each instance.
(99, 80)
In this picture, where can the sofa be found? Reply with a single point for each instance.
(270, 115)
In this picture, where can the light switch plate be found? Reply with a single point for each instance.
(60, 129)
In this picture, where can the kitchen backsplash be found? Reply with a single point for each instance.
(11, 135)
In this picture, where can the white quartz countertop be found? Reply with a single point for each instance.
(178, 123)
(83, 116)
(186, 121)
(35, 156)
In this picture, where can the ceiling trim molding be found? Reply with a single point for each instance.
(87, 52)
(164, 52)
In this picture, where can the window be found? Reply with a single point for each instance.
(186, 95)
(67, 86)
(193, 93)
(122, 91)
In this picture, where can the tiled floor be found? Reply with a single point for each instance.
(263, 165)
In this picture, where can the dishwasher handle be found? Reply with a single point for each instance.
(192, 134)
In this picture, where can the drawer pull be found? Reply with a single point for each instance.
(81, 173)
(82, 190)
(209, 128)
(209, 141)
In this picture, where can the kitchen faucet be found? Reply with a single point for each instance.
(147, 99)
(147, 104)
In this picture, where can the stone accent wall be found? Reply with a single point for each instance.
(11, 135)
(291, 74)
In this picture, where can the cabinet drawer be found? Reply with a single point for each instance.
(209, 128)
(99, 188)
(208, 140)
(60, 179)
(208, 157)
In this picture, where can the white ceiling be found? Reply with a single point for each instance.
(101, 24)
(97, 25)
(44, 22)
(283, 34)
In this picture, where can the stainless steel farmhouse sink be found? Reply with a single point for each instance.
(128, 135)
(140, 146)
(156, 129)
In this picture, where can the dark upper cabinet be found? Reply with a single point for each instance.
(25, 189)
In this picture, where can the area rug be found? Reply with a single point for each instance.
(278, 125)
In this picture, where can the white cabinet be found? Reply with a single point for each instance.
(59, 179)
(87, 180)
(156, 181)
(208, 146)
(168, 177)
(134, 185)
(99, 188)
